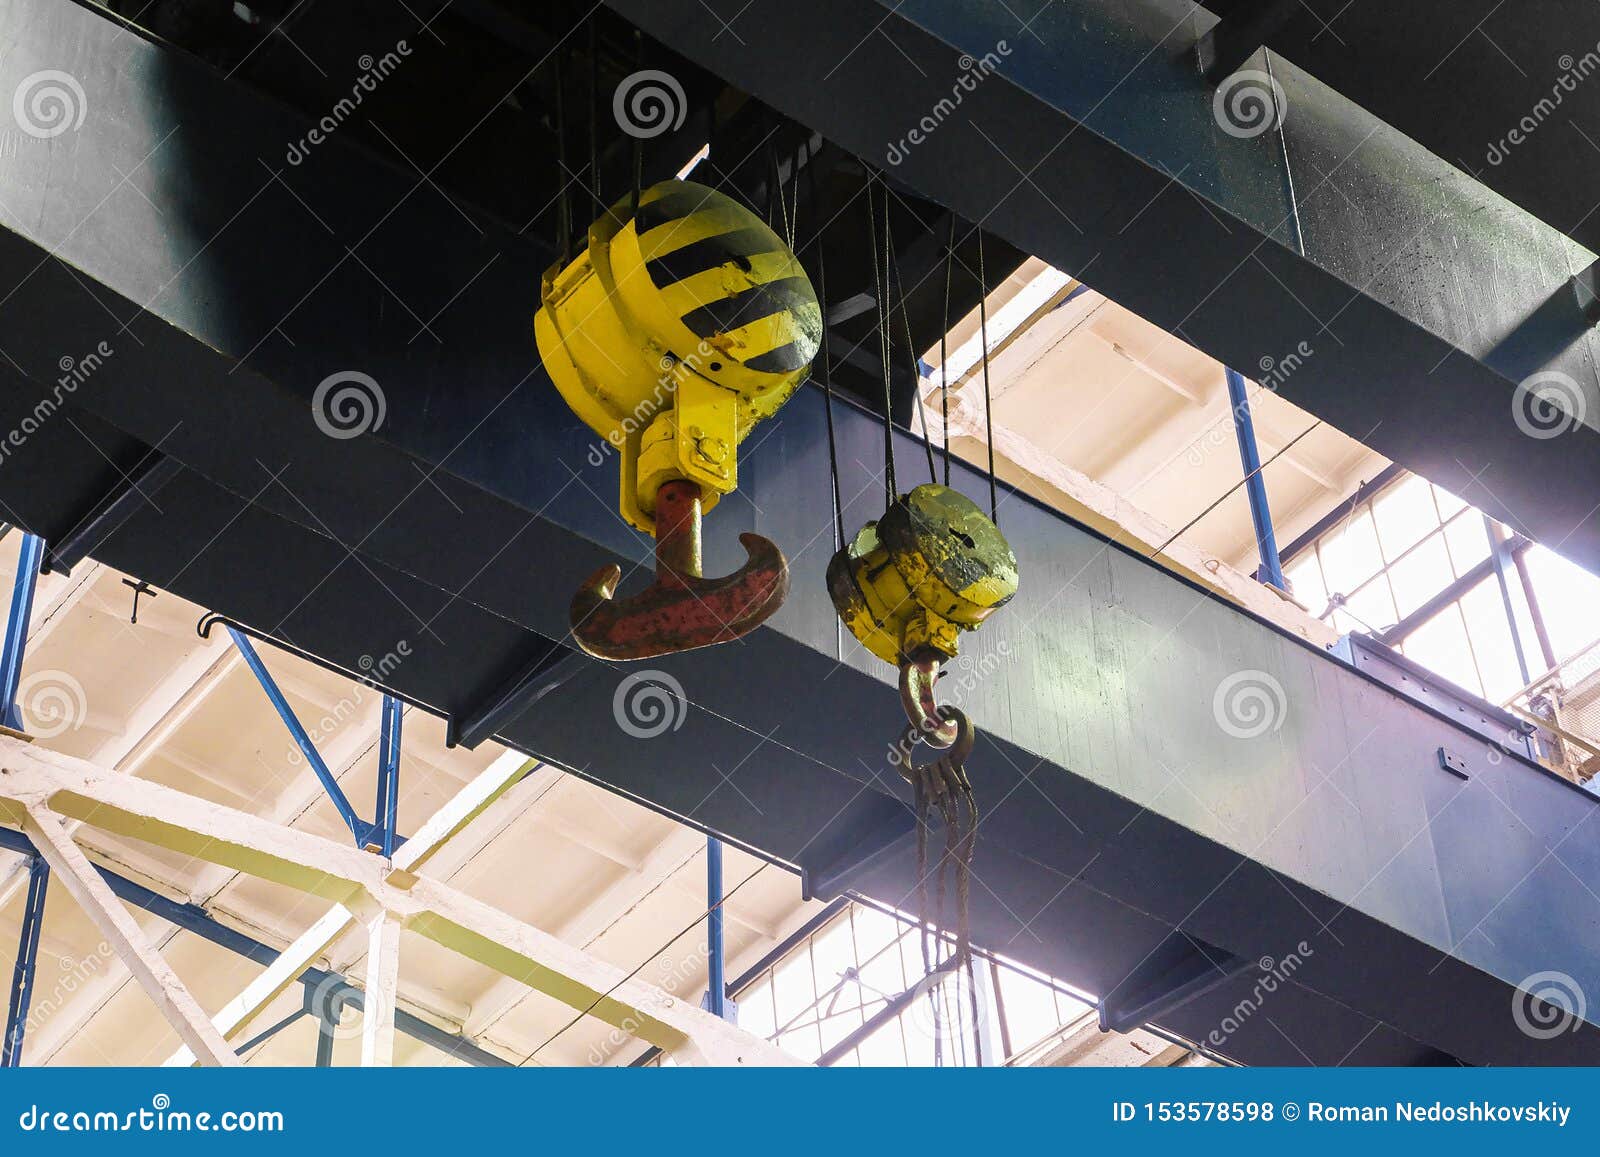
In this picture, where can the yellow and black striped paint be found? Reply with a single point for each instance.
(677, 329)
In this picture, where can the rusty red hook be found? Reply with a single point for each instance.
(681, 610)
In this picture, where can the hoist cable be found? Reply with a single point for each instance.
(563, 197)
(988, 400)
(770, 150)
(594, 114)
(671, 940)
(1181, 531)
(638, 142)
(827, 355)
(916, 373)
(891, 491)
(944, 334)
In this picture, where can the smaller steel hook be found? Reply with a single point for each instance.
(934, 725)
(681, 610)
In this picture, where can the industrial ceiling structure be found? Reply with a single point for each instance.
(1043, 237)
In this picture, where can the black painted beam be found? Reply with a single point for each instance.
(1239, 35)
(141, 484)
(1094, 141)
(1503, 91)
(1122, 802)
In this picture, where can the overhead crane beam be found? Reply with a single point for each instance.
(1087, 134)
(1126, 810)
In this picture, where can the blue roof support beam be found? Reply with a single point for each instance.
(22, 974)
(387, 810)
(16, 644)
(1255, 486)
(716, 948)
(360, 829)
(11, 656)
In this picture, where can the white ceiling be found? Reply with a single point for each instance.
(155, 700)
(1091, 386)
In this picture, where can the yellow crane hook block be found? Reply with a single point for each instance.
(907, 585)
(676, 330)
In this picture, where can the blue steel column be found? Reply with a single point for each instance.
(1255, 485)
(17, 627)
(27, 962)
(387, 811)
(16, 644)
(717, 983)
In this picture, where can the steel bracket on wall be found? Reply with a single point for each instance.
(1180, 970)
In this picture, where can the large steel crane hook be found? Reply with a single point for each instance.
(682, 609)
(683, 323)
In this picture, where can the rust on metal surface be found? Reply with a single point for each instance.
(681, 610)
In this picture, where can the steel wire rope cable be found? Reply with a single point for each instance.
(668, 943)
(916, 367)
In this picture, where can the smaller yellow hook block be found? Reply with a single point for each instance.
(909, 584)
